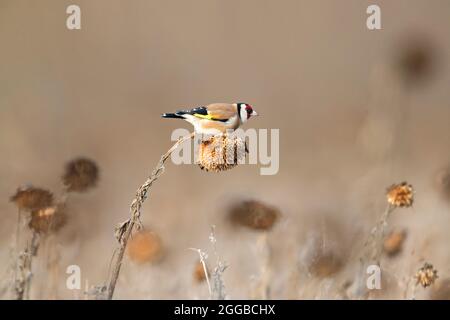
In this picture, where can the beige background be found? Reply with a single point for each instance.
(348, 128)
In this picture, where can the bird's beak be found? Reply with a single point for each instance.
(253, 113)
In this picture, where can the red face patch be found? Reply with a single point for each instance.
(248, 108)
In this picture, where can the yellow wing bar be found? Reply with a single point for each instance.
(202, 116)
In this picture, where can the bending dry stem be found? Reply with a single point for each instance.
(124, 231)
(24, 265)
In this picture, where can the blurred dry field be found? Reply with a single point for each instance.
(357, 110)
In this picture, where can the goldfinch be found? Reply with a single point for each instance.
(215, 118)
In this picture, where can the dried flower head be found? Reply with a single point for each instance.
(80, 175)
(50, 219)
(31, 198)
(221, 152)
(415, 60)
(426, 275)
(324, 250)
(400, 195)
(254, 214)
(199, 272)
(393, 243)
(145, 246)
(325, 264)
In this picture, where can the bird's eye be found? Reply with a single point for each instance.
(248, 108)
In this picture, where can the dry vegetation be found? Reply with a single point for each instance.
(40, 218)
(337, 205)
(46, 217)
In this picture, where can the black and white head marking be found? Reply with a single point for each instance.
(242, 112)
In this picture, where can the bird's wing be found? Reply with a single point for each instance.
(221, 111)
(198, 112)
(214, 112)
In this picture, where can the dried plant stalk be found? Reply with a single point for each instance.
(203, 256)
(19, 224)
(16, 249)
(52, 258)
(373, 248)
(24, 269)
(262, 288)
(125, 229)
(375, 242)
(218, 285)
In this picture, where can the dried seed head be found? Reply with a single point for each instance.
(426, 275)
(323, 252)
(325, 264)
(254, 214)
(145, 246)
(393, 243)
(415, 60)
(80, 175)
(31, 198)
(221, 152)
(46, 220)
(400, 195)
(199, 272)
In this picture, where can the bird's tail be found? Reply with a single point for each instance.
(172, 115)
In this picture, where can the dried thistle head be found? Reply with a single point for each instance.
(254, 215)
(400, 195)
(144, 247)
(221, 152)
(80, 175)
(393, 243)
(31, 198)
(426, 275)
(46, 220)
(199, 272)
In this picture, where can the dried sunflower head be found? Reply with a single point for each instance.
(416, 60)
(50, 219)
(325, 264)
(393, 243)
(80, 175)
(145, 246)
(400, 195)
(31, 198)
(221, 152)
(426, 275)
(254, 215)
(322, 257)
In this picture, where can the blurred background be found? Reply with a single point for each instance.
(357, 110)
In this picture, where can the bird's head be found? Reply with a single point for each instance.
(245, 111)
